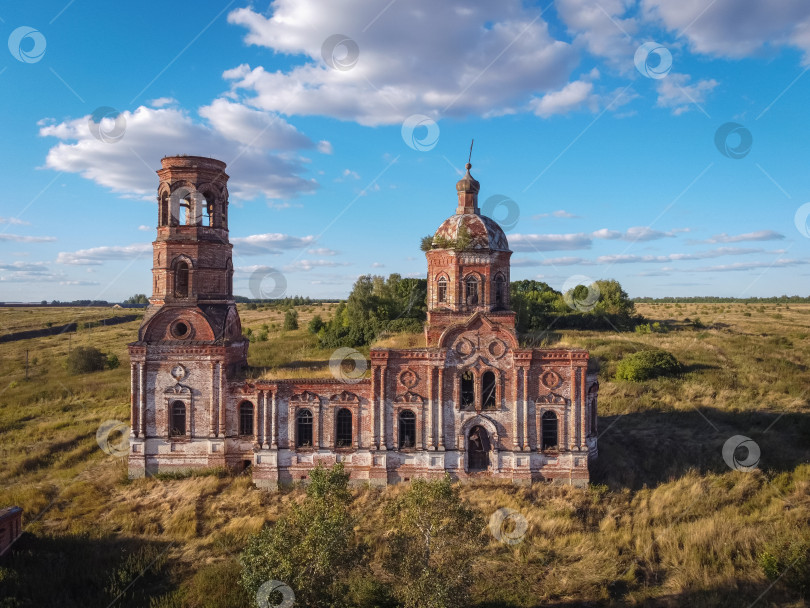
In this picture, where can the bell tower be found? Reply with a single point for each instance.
(468, 266)
(190, 342)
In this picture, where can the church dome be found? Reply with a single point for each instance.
(482, 232)
(468, 229)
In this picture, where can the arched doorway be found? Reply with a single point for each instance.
(478, 449)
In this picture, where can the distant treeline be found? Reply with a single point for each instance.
(85, 303)
(719, 300)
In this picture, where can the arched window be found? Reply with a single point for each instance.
(407, 429)
(467, 381)
(549, 424)
(246, 418)
(499, 298)
(181, 280)
(488, 388)
(178, 419)
(441, 290)
(185, 212)
(303, 431)
(471, 287)
(343, 432)
(164, 209)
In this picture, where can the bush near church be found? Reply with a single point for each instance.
(84, 359)
(647, 364)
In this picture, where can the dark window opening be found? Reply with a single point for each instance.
(488, 388)
(343, 434)
(208, 219)
(246, 465)
(407, 429)
(467, 389)
(246, 418)
(442, 290)
(499, 291)
(178, 419)
(303, 433)
(181, 280)
(549, 424)
(164, 210)
(472, 291)
(180, 329)
(478, 449)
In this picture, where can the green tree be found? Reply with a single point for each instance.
(138, 298)
(291, 319)
(430, 551)
(312, 548)
(83, 359)
(315, 324)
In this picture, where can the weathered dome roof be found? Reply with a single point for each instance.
(481, 231)
(484, 233)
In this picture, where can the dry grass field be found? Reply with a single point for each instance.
(665, 521)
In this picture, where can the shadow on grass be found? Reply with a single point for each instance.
(80, 572)
(654, 447)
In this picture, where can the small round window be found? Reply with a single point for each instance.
(181, 329)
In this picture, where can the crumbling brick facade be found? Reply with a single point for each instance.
(472, 403)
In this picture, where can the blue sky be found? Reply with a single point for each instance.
(595, 124)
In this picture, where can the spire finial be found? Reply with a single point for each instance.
(469, 159)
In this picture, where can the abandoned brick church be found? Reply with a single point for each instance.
(472, 403)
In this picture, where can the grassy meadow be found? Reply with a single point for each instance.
(665, 521)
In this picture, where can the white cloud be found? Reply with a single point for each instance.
(729, 28)
(307, 265)
(600, 28)
(325, 147)
(635, 233)
(752, 265)
(17, 238)
(378, 265)
(25, 267)
(162, 102)
(350, 173)
(548, 242)
(759, 235)
(145, 228)
(269, 243)
(436, 58)
(15, 221)
(128, 165)
(78, 282)
(571, 97)
(674, 91)
(322, 251)
(252, 128)
(98, 255)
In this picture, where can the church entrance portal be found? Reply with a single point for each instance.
(478, 449)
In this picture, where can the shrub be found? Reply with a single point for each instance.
(788, 560)
(83, 359)
(290, 320)
(112, 361)
(647, 364)
(315, 324)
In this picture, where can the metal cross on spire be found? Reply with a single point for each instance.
(469, 160)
